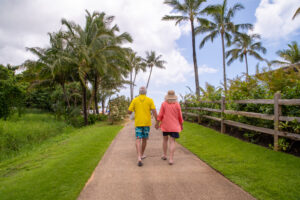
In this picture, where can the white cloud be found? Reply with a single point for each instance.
(185, 28)
(176, 69)
(205, 69)
(274, 18)
(26, 24)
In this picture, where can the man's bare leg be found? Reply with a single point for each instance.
(144, 144)
(165, 146)
(172, 149)
(138, 149)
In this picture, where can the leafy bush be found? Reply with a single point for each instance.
(262, 86)
(40, 97)
(76, 121)
(11, 93)
(92, 119)
(118, 108)
(102, 117)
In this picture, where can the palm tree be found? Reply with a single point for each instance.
(136, 63)
(290, 56)
(50, 66)
(296, 13)
(189, 10)
(245, 45)
(153, 61)
(222, 25)
(82, 45)
(108, 53)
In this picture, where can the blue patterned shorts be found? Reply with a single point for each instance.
(142, 132)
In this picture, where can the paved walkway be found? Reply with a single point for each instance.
(117, 177)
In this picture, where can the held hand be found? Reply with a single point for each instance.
(157, 124)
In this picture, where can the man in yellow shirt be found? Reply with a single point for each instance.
(142, 106)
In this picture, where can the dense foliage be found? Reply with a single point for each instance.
(11, 92)
(118, 108)
(261, 86)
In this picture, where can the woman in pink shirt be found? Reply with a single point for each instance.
(170, 119)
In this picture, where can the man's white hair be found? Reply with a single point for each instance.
(143, 90)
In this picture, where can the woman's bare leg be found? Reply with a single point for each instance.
(171, 149)
(165, 145)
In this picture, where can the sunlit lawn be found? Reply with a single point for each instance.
(58, 168)
(260, 171)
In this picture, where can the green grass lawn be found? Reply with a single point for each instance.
(260, 171)
(18, 134)
(58, 168)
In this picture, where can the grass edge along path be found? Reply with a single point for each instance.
(262, 172)
(58, 169)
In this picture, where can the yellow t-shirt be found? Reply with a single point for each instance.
(142, 106)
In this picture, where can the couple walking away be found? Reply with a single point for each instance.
(169, 120)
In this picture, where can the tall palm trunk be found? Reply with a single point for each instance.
(95, 94)
(224, 64)
(89, 103)
(149, 76)
(247, 72)
(195, 59)
(103, 105)
(133, 83)
(85, 115)
(131, 86)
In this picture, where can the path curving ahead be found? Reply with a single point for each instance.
(117, 177)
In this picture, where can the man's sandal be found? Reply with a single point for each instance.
(140, 163)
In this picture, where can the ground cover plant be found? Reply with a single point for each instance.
(29, 130)
(263, 173)
(57, 169)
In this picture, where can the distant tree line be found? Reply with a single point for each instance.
(82, 67)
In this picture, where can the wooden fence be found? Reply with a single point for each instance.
(276, 117)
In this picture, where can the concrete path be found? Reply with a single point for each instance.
(117, 177)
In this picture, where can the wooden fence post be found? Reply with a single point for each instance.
(222, 115)
(199, 119)
(277, 113)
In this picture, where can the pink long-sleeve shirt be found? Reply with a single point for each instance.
(171, 117)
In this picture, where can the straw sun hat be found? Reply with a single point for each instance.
(171, 96)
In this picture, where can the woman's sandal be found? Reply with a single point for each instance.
(170, 163)
(164, 158)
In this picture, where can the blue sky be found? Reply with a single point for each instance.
(26, 24)
(211, 54)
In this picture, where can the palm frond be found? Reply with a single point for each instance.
(210, 36)
(178, 19)
(296, 13)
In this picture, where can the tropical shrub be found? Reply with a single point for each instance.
(40, 97)
(11, 93)
(118, 108)
(92, 119)
(101, 117)
(261, 86)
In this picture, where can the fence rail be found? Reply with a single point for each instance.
(276, 117)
